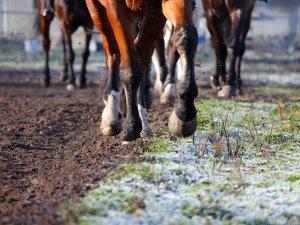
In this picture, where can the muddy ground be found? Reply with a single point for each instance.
(51, 147)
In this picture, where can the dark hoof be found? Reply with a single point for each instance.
(132, 133)
(63, 76)
(215, 84)
(240, 91)
(227, 92)
(45, 82)
(111, 128)
(81, 83)
(130, 136)
(180, 128)
(146, 132)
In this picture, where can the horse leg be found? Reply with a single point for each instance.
(160, 64)
(238, 21)
(131, 69)
(64, 73)
(168, 95)
(81, 82)
(48, 11)
(149, 34)
(183, 120)
(70, 57)
(148, 85)
(218, 44)
(242, 50)
(45, 27)
(111, 115)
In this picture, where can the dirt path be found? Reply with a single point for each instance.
(51, 147)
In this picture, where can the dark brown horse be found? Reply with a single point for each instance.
(72, 14)
(128, 59)
(228, 22)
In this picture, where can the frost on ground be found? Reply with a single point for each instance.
(241, 167)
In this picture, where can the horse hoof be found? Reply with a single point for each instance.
(168, 95)
(63, 76)
(129, 137)
(81, 83)
(45, 82)
(146, 132)
(180, 128)
(227, 92)
(240, 91)
(109, 128)
(70, 87)
(214, 84)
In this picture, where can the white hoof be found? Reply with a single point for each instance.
(111, 123)
(70, 87)
(227, 92)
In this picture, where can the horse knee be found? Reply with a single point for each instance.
(131, 78)
(187, 40)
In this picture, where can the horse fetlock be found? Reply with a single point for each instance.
(169, 95)
(146, 131)
(45, 81)
(215, 84)
(181, 128)
(48, 13)
(133, 130)
(227, 91)
(81, 82)
(63, 76)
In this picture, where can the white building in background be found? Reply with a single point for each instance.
(275, 23)
(17, 17)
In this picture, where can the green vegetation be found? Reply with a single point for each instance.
(242, 167)
(288, 91)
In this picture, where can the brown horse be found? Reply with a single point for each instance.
(228, 22)
(128, 59)
(166, 76)
(72, 14)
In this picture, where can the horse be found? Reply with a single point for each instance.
(166, 76)
(72, 14)
(228, 22)
(128, 60)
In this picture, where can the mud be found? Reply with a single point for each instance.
(51, 147)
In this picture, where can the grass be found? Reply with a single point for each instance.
(288, 91)
(241, 168)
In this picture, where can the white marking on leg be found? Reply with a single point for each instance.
(157, 83)
(180, 73)
(111, 112)
(146, 126)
